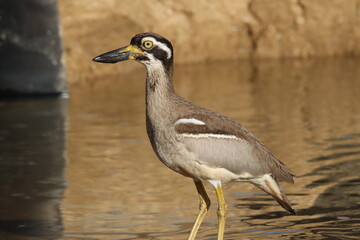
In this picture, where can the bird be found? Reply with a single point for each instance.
(196, 142)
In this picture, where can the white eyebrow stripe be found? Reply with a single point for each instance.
(210, 135)
(189, 121)
(161, 45)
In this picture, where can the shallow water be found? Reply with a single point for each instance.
(82, 168)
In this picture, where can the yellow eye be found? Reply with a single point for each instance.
(148, 44)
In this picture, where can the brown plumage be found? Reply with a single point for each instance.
(218, 124)
(196, 142)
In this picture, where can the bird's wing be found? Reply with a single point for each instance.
(221, 142)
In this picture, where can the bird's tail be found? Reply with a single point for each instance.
(269, 185)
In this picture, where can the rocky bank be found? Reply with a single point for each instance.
(208, 30)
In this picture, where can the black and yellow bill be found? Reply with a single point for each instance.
(130, 52)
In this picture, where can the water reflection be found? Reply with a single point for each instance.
(32, 145)
(307, 112)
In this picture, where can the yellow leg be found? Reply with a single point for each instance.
(203, 208)
(222, 209)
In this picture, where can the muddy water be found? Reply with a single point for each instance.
(100, 179)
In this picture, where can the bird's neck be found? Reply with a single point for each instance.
(159, 79)
(159, 92)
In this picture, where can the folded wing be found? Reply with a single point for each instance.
(228, 146)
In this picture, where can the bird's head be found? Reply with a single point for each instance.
(147, 48)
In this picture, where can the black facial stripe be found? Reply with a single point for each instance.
(159, 53)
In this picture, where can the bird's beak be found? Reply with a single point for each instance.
(130, 52)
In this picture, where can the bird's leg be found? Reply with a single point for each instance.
(222, 209)
(203, 208)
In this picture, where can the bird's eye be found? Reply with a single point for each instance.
(148, 44)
